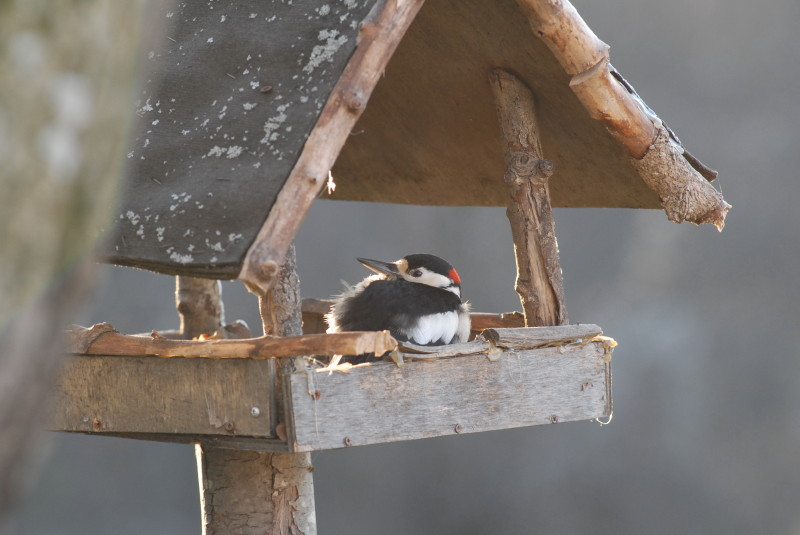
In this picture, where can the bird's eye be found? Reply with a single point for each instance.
(415, 273)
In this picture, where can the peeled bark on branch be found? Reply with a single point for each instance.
(678, 177)
(103, 339)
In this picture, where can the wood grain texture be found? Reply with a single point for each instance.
(378, 37)
(441, 146)
(382, 402)
(530, 337)
(102, 339)
(443, 124)
(155, 395)
(539, 282)
(559, 25)
(609, 102)
(585, 57)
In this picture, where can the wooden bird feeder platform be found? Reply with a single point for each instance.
(247, 111)
(225, 392)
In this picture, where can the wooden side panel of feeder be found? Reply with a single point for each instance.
(386, 403)
(152, 395)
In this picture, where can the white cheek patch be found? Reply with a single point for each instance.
(430, 278)
(434, 327)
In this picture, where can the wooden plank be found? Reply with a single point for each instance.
(97, 394)
(382, 402)
(530, 337)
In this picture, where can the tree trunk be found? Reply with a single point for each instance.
(66, 85)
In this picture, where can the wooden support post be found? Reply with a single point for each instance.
(199, 304)
(539, 283)
(247, 492)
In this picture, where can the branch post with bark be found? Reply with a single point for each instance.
(539, 280)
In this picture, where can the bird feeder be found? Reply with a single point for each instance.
(247, 109)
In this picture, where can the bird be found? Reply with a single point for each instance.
(417, 299)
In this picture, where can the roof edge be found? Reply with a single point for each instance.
(379, 35)
(663, 164)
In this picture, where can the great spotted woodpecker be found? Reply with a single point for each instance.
(416, 298)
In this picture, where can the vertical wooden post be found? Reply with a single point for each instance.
(248, 492)
(539, 282)
(199, 304)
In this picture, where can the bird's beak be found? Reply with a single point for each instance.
(384, 268)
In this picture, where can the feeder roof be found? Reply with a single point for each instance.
(238, 91)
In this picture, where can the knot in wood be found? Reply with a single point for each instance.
(268, 270)
(355, 102)
(522, 166)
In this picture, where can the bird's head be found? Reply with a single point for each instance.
(419, 268)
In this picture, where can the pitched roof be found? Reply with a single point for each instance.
(249, 106)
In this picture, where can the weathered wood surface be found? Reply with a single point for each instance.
(591, 133)
(102, 339)
(156, 395)
(234, 88)
(378, 37)
(539, 282)
(581, 53)
(679, 179)
(314, 311)
(492, 342)
(199, 305)
(267, 505)
(382, 402)
(255, 492)
(684, 196)
(530, 337)
(221, 402)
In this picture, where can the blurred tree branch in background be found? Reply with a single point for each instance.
(67, 85)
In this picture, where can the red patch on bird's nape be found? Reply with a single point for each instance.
(453, 274)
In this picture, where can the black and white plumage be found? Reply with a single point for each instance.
(416, 298)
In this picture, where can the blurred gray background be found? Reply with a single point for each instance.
(706, 430)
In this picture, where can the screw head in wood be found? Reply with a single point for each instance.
(458, 428)
(347, 441)
(255, 412)
(554, 419)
